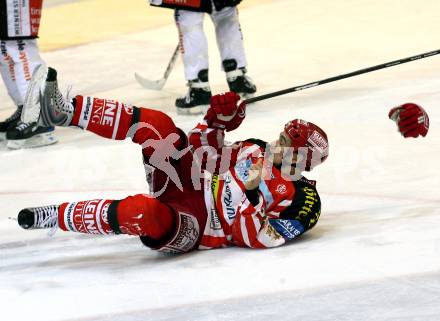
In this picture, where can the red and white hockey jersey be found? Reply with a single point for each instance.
(278, 211)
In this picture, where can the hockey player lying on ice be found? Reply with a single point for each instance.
(203, 194)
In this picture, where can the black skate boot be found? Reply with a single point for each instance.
(198, 97)
(10, 122)
(238, 82)
(29, 135)
(44, 103)
(44, 217)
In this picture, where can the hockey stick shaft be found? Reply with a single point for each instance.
(172, 62)
(343, 76)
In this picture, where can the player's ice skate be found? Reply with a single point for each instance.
(30, 135)
(44, 217)
(10, 122)
(238, 81)
(31, 108)
(44, 103)
(30, 132)
(197, 99)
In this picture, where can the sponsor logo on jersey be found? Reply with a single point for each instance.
(84, 217)
(35, 16)
(128, 109)
(281, 189)
(272, 232)
(227, 198)
(16, 17)
(310, 182)
(214, 186)
(311, 198)
(22, 56)
(104, 213)
(215, 220)
(242, 169)
(87, 108)
(289, 229)
(104, 112)
(186, 237)
(69, 219)
(8, 61)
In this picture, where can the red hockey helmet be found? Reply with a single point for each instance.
(308, 140)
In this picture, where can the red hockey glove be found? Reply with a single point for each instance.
(226, 111)
(412, 120)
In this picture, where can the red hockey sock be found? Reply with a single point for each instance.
(140, 215)
(145, 216)
(115, 120)
(107, 118)
(86, 217)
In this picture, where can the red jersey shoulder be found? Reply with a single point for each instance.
(277, 191)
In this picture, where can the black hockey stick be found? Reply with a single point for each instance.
(158, 84)
(343, 76)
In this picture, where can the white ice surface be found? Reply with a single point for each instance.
(375, 253)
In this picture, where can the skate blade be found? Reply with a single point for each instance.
(31, 107)
(196, 110)
(39, 140)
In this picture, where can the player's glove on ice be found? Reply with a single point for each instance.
(411, 119)
(226, 111)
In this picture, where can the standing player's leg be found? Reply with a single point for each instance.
(19, 57)
(230, 43)
(194, 49)
(18, 60)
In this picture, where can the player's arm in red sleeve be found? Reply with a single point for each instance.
(226, 113)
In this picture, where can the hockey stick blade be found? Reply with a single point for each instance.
(158, 84)
(150, 84)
